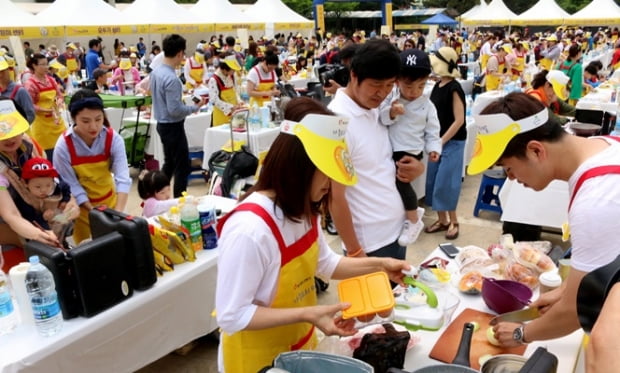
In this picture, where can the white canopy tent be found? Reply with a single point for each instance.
(162, 16)
(224, 15)
(495, 14)
(277, 16)
(474, 10)
(81, 13)
(598, 12)
(13, 15)
(544, 12)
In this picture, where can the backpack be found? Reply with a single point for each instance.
(242, 164)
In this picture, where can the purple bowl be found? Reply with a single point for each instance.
(505, 295)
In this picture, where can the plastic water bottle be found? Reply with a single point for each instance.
(8, 316)
(43, 298)
(207, 225)
(469, 103)
(243, 91)
(254, 118)
(190, 219)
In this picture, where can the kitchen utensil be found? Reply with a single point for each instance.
(369, 295)
(461, 362)
(505, 363)
(505, 295)
(445, 347)
(517, 316)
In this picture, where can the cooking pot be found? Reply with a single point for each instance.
(503, 363)
(585, 129)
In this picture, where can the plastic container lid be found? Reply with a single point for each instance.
(550, 279)
(367, 294)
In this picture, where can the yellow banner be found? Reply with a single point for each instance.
(106, 30)
(293, 25)
(320, 16)
(175, 29)
(410, 26)
(546, 22)
(236, 26)
(32, 32)
(487, 22)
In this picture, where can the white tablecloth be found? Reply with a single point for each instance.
(195, 127)
(599, 99)
(130, 335)
(214, 138)
(548, 207)
(567, 348)
(301, 83)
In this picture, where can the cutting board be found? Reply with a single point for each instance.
(446, 346)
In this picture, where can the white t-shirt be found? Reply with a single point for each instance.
(249, 262)
(376, 207)
(595, 213)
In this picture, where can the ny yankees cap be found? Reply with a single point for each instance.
(415, 59)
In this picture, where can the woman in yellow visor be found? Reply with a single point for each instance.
(271, 246)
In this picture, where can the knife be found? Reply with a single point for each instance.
(517, 316)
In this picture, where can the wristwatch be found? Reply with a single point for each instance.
(518, 334)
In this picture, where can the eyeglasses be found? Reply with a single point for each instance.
(42, 64)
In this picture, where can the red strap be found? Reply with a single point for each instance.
(593, 172)
(287, 253)
(14, 91)
(303, 340)
(77, 160)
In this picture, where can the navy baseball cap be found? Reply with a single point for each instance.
(415, 59)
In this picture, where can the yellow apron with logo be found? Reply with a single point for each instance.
(248, 351)
(519, 65)
(263, 85)
(196, 72)
(227, 94)
(492, 82)
(47, 127)
(93, 173)
(71, 63)
(484, 58)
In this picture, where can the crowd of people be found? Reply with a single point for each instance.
(378, 126)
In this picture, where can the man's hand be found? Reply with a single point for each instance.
(433, 156)
(332, 88)
(408, 168)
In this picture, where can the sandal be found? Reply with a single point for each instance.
(437, 227)
(454, 228)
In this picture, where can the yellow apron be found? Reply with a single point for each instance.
(227, 94)
(484, 58)
(47, 127)
(93, 173)
(248, 351)
(493, 82)
(546, 64)
(519, 65)
(196, 72)
(263, 85)
(71, 63)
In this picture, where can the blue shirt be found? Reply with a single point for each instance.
(166, 92)
(118, 167)
(22, 98)
(92, 62)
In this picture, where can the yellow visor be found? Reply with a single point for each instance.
(495, 132)
(558, 81)
(323, 139)
(12, 123)
(199, 57)
(231, 61)
(125, 64)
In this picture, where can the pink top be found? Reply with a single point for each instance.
(153, 207)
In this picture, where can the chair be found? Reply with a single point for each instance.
(195, 159)
(488, 194)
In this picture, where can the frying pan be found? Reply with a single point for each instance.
(460, 364)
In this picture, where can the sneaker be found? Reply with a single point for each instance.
(411, 230)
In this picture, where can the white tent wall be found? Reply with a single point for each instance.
(224, 13)
(496, 13)
(274, 12)
(597, 13)
(474, 10)
(544, 12)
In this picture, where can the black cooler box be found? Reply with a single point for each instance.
(89, 278)
(139, 250)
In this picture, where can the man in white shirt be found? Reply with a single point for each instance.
(369, 215)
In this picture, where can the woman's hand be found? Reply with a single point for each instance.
(324, 318)
(46, 237)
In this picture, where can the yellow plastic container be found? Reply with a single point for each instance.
(369, 295)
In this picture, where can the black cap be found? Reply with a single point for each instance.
(415, 59)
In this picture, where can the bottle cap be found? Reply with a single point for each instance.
(34, 259)
(550, 279)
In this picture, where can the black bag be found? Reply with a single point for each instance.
(383, 351)
(241, 164)
(219, 159)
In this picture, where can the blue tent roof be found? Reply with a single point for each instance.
(439, 19)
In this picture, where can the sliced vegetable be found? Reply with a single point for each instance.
(491, 337)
